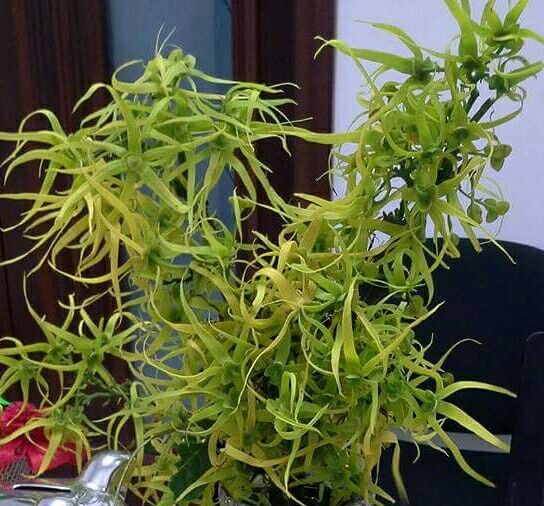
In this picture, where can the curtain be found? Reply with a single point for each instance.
(274, 42)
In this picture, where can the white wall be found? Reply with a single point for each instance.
(428, 21)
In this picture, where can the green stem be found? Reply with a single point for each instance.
(488, 104)
(472, 100)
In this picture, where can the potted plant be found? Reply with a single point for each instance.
(264, 370)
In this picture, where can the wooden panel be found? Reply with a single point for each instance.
(273, 42)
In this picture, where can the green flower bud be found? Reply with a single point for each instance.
(474, 212)
(500, 153)
(495, 208)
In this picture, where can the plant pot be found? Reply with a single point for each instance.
(225, 500)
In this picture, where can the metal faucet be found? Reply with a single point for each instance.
(102, 483)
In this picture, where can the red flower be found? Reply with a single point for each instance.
(32, 444)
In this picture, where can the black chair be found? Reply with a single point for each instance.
(526, 483)
(500, 304)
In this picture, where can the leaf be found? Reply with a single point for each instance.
(457, 455)
(529, 34)
(459, 386)
(402, 36)
(517, 76)
(458, 415)
(397, 476)
(468, 45)
(388, 60)
(193, 463)
(491, 18)
(515, 12)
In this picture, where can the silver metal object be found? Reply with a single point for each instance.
(14, 471)
(102, 483)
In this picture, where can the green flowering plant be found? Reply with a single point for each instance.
(278, 368)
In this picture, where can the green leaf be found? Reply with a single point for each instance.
(388, 60)
(4, 402)
(193, 463)
(530, 34)
(402, 36)
(458, 415)
(458, 456)
(491, 18)
(468, 44)
(517, 76)
(515, 12)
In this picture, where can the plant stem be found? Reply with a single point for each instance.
(472, 100)
(488, 104)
